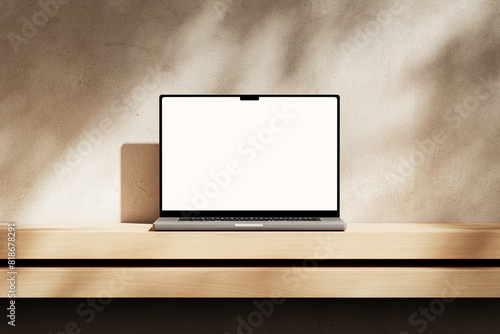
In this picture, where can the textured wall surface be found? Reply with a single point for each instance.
(419, 85)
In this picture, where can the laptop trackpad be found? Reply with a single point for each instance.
(248, 225)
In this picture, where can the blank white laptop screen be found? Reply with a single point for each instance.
(223, 153)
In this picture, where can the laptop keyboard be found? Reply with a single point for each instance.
(257, 219)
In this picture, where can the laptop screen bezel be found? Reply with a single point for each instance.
(249, 213)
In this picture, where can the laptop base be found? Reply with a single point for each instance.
(324, 224)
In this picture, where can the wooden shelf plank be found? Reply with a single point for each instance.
(257, 282)
(360, 241)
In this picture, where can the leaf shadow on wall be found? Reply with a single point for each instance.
(453, 145)
(63, 84)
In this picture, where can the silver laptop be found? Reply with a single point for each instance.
(267, 162)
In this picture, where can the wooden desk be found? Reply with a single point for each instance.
(368, 260)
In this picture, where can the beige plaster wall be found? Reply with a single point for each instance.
(419, 83)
